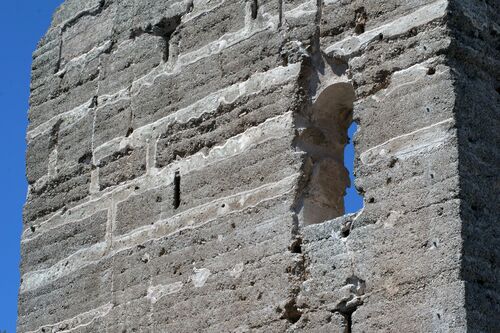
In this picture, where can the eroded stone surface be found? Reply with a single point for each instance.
(185, 168)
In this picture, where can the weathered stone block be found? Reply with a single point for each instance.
(67, 188)
(213, 128)
(37, 154)
(49, 247)
(90, 30)
(112, 120)
(122, 166)
(75, 141)
(210, 26)
(78, 97)
(93, 281)
(143, 209)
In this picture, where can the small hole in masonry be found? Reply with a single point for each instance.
(254, 7)
(296, 246)
(177, 190)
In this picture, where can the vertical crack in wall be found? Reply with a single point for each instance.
(289, 310)
(280, 13)
(349, 304)
(317, 33)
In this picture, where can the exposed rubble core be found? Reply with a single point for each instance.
(186, 173)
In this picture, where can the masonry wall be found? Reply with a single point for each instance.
(185, 168)
(475, 57)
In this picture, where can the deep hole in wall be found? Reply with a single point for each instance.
(326, 135)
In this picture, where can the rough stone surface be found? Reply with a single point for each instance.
(185, 167)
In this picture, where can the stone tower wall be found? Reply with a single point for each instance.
(185, 168)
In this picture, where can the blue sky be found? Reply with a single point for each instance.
(23, 22)
(353, 201)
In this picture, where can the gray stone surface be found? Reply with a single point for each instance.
(186, 173)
